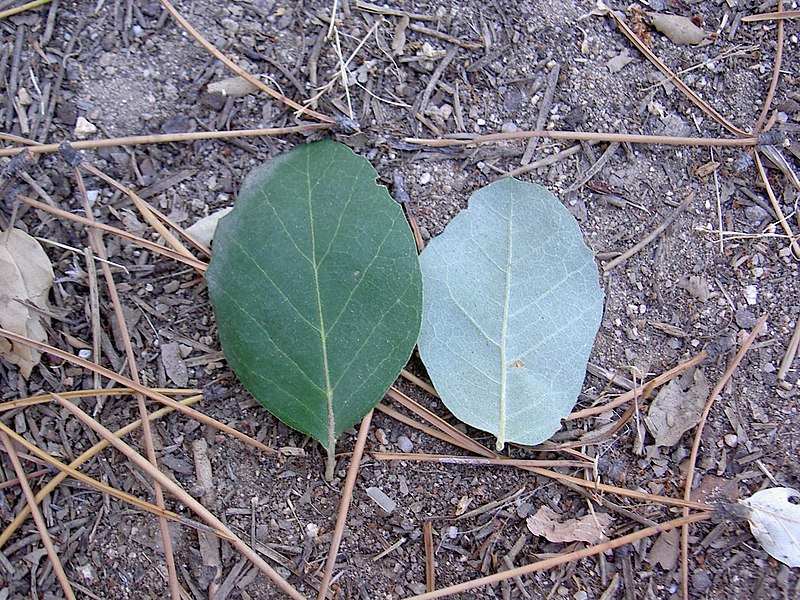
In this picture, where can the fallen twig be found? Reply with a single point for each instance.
(180, 494)
(237, 69)
(38, 518)
(565, 558)
(165, 138)
(631, 138)
(613, 264)
(698, 434)
(344, 504)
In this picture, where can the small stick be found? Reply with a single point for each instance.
(649, 237)
(477, 460)
(544, 110)
(544, 162)
(97, 245)
(94, 310)
(344, 504)
(677, 81)
(781, 14)
(444, 36)
(776, 206)
(776, 73)
(791, 352)
(145, 243)
(164, 138)
(430, 556)
(38, 519)
(181, 495)
(437, 74)
(67, 470)
(594, 169)
(698, 434)
(639, 391)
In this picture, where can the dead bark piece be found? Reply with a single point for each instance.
(589, 528)
(26, 277)
(666, 550)
(174, 365)
(677, 408)
(209, 543)
(399, 40)
(680, 30)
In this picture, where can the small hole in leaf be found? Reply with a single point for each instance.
(794, 499)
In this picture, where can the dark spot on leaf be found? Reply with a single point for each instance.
(516, 364)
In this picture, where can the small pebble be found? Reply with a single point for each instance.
(84, 128)
(509, 127)
(750, 293)
(481, 122)
(85, 353)
(731, 440)
(405, 444)
(425, 178)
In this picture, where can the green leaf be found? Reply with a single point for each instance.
(512, 304)
(316, 288)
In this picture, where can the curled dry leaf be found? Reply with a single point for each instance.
(680, 30)
(26, 277)
(774, 516)
(589, 528)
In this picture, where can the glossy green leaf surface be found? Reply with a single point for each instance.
(512, 305)
(316, 288)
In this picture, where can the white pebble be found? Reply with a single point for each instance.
(731, 440)
(425, 178)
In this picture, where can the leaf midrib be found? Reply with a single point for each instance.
(323, 336)
(501, 434)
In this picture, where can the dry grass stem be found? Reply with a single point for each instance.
(166, 138)
(791, 351)
(478, 460)
(45, 398)
(85, 456)
(237, 69)
(193, 262)
(344, 504)
(674, 79)
(71, 471)
(639, 391)
(58, 568)
(776, 73)
(587, 136)
(773, 16)
(180, 494)
(96, 243)
(108, 374)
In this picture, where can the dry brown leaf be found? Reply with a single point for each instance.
(589, 528)
(666, 550)
(26, 277)
(680, 30)
(677, 408)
